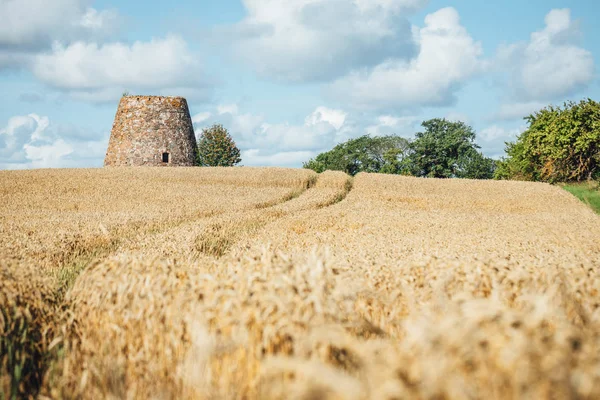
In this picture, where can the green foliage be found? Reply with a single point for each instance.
(364, 154)
(561, 144)
(447, 149)
(216, 148)
(474, 165)
(27, 307)
(21, 352)
(588, 192)
(393, 161)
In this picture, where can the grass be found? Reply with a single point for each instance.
(588, 192)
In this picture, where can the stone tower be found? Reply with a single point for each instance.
(152, 131)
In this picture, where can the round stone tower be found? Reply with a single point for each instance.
(152, 131)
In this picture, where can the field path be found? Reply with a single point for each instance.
(405, 219)
(214, 236)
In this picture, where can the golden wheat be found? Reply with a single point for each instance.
(55, 222)
(278, 284)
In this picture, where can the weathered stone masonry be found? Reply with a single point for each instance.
(152, 131)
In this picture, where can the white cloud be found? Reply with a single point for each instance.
(93, 72)
(242, 124)
(448, 57)
(286, 144)
(255, 157)
(201, 117)
(18, 132)
(493, 139)
(98, 21)
(390, 125)
(35, 23)
(227, 109)
(551, 64)
(323, 114)
(308, 40)
(458, 117)
(492, 133)
(517, 110)
(31, 141)
(47, 155)
(264, 143)
(62, 45)
(30, 26)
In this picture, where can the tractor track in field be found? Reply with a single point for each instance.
(94, 250)
(208, 234)
(327, 190)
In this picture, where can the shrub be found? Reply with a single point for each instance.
(561, 144)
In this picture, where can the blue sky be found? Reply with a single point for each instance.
(289, 79)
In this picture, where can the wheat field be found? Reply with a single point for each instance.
(270, 283)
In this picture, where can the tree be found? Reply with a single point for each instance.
(561, 144)
(363, 154)
(447, 149)
(216, 148)
(474, 165)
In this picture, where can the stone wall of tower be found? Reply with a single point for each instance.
(146, 127)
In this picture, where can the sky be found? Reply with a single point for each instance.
(288, 78)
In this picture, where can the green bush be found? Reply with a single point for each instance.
(561, 144)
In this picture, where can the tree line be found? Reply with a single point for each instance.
(444, 149)
(560, 144)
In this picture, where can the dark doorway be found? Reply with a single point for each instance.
(165, 157)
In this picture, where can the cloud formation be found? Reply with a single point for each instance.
(512, 111)
(390, 125)
(493, 139)
(317, 40)
(34, 24)
(448, 56)
(31, 26)
(93, 72)
(65, 47)
(551, 64)
(31, 141)
(284, 144)
(264, 143)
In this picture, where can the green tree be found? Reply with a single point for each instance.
(447, 149)
(363, 154)
(474, 165)
(561, 144)
(393, 161)
(216, 148)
